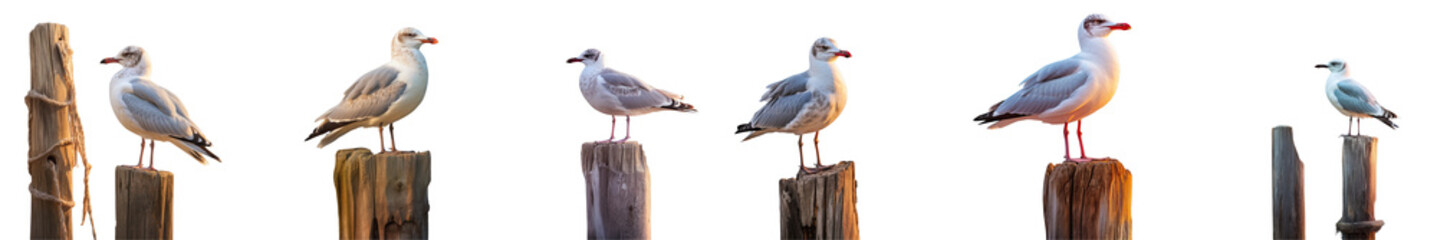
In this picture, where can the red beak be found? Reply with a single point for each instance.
(574, 60)
(430, 41)
(109, 60)
(1121, 26)
(843, 53)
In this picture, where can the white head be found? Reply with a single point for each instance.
(411, 38)
(589, 57)
(1336, 66)
(824, 50)
(129, 57)
(1098, 26)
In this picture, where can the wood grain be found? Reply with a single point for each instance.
(821, 205)
(1359, 188)
(144, 203)
(1288, 209)
(384, 196)
(616, 177)
(1089, 200)
(51, 132)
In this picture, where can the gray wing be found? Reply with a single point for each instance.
(1045, 89)
(156, 109)
(632, 93)
(1355, 98)
(782, 110)
(370, 96)
(788, 86)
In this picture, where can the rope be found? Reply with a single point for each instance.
(78, 141)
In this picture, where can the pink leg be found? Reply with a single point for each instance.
(1065, 142)
(818, 162)
(800, 151)
(152, 154)
(1083, 152)
(141, 163)
(395, 146)
(626, 129)
(613, 122)
(381, 138)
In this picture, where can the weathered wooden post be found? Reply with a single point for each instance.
(1359, 188)
(55, 134)
(1288, 214)
(821, 205)
(617, 186)
(144, 203)
(1088, 200)
(384, 196)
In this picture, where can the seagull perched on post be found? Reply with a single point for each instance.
(382, 96)
(803, 103)
(151, 111)
(1352, 99)
(616, 93)
(1068, 90)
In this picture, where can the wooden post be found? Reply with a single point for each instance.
(821, 205)
(1288, 214)
(617, 186)
(1359, 188)
(384, 196)
(144, 203)
(52, 151)
(1090, 200)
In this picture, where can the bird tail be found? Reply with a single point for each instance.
(755, 131)
(676, 105)
(196, 146)
(989, 117)
(1387, 117)
(334, 134)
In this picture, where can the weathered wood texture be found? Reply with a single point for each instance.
(1090, 200)
(144, 203)
(617, 186)
(384, 196)
(52, 132)
(1288, 214)
(1359, 188)
(821, 205)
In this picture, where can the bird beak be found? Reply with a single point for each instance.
(843, 53)
(430, 40)
(1120, 26)
(1321, 66)
(109, 60)
(574, 60)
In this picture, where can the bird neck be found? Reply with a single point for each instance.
(823, 69)
(595, 68)
(410, 56)
(1098, 49)
(139, 70)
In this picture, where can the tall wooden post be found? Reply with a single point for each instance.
(617, 186)
(52, 142)
(1089, 200)
(144, 203)
(384, 196)
(1288, 214)
(1359, 188)
(821, 205)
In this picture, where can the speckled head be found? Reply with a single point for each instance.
(1097, 25)
(131, 56)
(825, 49)
(411, 38)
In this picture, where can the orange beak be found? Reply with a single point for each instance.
(430, 41)
(109, 60)
(1121, 26)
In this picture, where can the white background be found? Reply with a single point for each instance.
(1202, 84)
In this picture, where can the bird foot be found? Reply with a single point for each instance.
(1080, 160)
(625, 139)
(815, 169)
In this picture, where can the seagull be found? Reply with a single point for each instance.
(383, 95)
(616, 93)
(1068, 90)
(1352, 99)
(803, 103)
(151, 111)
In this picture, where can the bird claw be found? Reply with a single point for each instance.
(1080, 160)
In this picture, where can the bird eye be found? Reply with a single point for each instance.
(588, 56)
(410, 34)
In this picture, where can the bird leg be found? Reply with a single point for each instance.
(1082, 151)
(1065, 142)
(152, 154)
(613, 122)
(141, 162)
(800, 152)
(626, 129)
(1349, 126)
(817, 164)
(381, 138)
(1359, 130)
(394, 147)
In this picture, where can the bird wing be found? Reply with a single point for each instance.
(632, 93)
(157, 110)
(779, 112)
(1045, 89)
(370, 96)
(1353, 97)
(792, 85)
